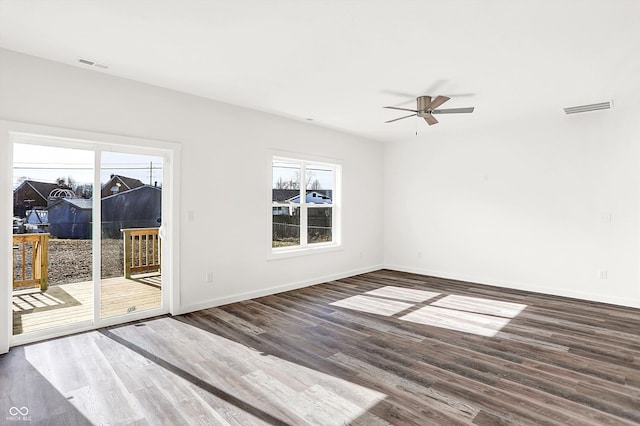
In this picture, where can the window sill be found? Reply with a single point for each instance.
(285, 253)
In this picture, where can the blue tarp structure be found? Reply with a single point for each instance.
(137, 208)
(70, 218)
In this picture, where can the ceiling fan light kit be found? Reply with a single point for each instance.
(426, 107)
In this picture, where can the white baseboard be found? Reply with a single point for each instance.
(630, 303)
(273, 290)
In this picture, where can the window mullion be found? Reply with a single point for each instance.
(303, 205)
(335, 214)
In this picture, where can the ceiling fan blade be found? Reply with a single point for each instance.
(452, 110)
(398, 93)
(430, 119)
(396, 119)
(439, 100)
(401, 109)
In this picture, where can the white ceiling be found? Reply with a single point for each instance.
(339, 62)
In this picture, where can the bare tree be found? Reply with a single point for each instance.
(286, 184)
(315, 185)
(84, 190)
(22, 179)
(71, 182)
(294, 182)
(81, 190)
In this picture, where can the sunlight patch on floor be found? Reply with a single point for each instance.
(480, 306)
(468, 322)
(198, 368)
(402, 293)
(484, 317)
(373, 305)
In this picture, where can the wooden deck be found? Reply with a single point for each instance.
(68, 303)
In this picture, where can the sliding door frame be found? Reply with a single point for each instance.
(14, 132)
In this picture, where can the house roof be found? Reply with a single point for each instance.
(133, 191)
(129, 183)
(282, 195)
(42, 188)
(82, 203)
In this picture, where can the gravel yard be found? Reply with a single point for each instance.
(70, 260)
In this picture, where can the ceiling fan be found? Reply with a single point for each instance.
(426, 107)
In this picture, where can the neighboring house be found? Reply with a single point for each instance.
(282, 195)
(280, 211)
(292, 196)
(118, 184)
(313, 196)
(136, 208)
(70, 218)
(31, 194)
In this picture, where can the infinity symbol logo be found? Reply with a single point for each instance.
(14, 411)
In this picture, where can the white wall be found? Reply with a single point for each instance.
(224, 167)
(522, 205)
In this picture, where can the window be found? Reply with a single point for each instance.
(304, 205)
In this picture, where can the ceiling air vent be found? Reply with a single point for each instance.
(587, 108)
(92, 64)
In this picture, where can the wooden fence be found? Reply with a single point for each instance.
(285, 227)
(33, 250)
(141, 250)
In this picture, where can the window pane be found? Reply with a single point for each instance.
(319, 184)
(52, 241)
(131, 279)
(285, 226)
(286, 182)
(319, 228)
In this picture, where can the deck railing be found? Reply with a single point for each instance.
(141, 250)
(37, 256)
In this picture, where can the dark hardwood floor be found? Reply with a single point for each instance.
(379, 348)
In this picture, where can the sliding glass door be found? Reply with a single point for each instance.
(87, 235)
(131, 217)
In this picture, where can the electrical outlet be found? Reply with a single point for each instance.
(604, 274)
(209, 277)
(605, 218)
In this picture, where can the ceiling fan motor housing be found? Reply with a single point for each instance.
(423, 105)
(426, 107)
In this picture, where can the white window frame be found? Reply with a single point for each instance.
(305, 248)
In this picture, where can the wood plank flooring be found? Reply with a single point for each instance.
(375, 349)
(68, 303)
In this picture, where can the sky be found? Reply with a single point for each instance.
(46, 164)
(289, 170)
